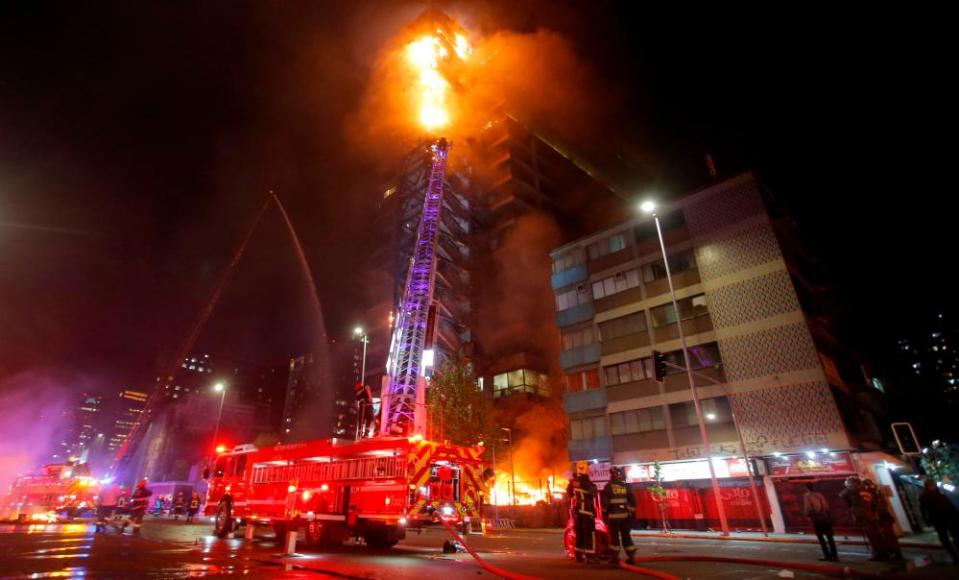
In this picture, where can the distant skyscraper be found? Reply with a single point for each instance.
(132, 403)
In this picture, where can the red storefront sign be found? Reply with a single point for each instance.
(685, 470)
(820, 463)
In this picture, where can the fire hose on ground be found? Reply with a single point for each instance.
(511, 576)
(817, 568)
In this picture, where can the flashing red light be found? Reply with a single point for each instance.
(220, 448)
(324, 487)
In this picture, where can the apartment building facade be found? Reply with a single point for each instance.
(760, 362)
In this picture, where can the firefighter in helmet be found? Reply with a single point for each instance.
(619, 505)
(138, 507)
(363, 399)
(582, 493)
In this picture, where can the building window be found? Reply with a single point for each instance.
(582, 380)
(679, 262)
(629, 371)
(578, 337)
(587, 428)
(715, 410)
(571, 298)
(623, 326)
(615, 284)
(637, 421)
(520, 381)
(567, 261)
(607, 246)
(689, 308)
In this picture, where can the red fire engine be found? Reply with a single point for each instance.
(372, 488)
(59, 488)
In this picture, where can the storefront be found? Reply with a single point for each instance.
(828, 470)
(690, 501)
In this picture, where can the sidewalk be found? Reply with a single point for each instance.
(925, 540)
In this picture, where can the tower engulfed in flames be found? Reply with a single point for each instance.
(403, 406)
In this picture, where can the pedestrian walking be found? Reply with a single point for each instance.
(582, 494)
(860, 502)
(943, 515)
(138, 507)
(193, 508)
(619, 506)
(107, 505)
(179, 504)
(816, 508)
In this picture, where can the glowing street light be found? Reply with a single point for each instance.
(649, 207)
(219, 387)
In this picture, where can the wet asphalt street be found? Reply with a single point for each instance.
(170, 549)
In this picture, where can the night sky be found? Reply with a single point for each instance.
(137, 141)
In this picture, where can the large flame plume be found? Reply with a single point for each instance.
(427, 55)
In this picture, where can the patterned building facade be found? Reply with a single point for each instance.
(761, 370)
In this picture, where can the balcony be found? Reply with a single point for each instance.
(633, 390)
(619, 299)
(691, 326)
(628, 342)
(639, 441)
(569, 276)
(585, 449)
(680, 280)
(575, 315)
(609, 260)
(584, 400)
(582, 355)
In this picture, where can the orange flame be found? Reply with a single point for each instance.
(426, 54)
(529, 491)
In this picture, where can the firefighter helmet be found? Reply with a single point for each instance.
(582, 468)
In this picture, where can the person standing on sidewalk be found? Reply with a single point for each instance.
(860, 502)
(619, 505)
(944, 517)
(817, 509)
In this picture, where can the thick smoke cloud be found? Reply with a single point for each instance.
(31, 407)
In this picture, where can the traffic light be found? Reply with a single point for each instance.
(659, 366)
(906, 439)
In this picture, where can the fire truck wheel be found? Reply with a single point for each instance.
(223, 524)
(380, 539)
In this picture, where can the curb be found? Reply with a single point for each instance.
(687, 536)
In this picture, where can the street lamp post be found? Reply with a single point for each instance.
(512, 468)
(365, 339)
(650, 208)
(219, 388)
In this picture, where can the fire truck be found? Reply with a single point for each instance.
(372, 488)
(58, 488)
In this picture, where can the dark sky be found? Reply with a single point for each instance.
(137, 141)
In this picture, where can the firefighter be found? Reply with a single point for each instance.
(582, 492)
(193, 508)
(619, 505)
(363, 400)
(138, 508)
(178, 504)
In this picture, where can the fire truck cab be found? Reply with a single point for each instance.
(335, 489)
